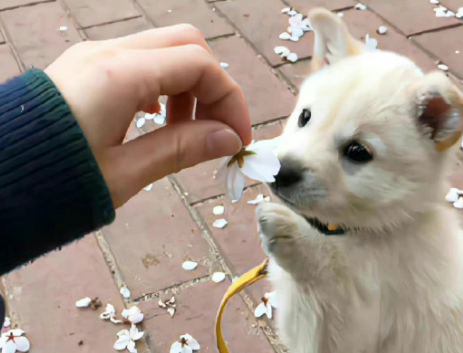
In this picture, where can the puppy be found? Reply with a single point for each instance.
(367, 149)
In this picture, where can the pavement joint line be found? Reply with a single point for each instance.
(144, 13)
(434, 30)
(26, 5)
(113, 21)
(207, 235)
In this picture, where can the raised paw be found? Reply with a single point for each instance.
(278, 229)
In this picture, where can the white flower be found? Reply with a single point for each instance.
(218, 277)
(292, 57)
(459, 203)
(371, 43)
(14, 340)
(158, 118)
(127, 339)
(83, 303)
(360, 6)
(169, 305)
(256, 161)
(443, 67)
(224, 65)
(459, 13)
(220, 223)
(109, 312)
(186, 344)
(7, 322)
(140, 122)
(382, 30)
(442, 11)
(266, 307)
(453, 195)
(189, 265)
(134, 315)
(125, 292)
(282, 51)
(218, 210)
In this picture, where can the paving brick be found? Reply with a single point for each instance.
(453, 5)
(8, 65)
(35, 32)
(196, 12)
(117, 29)
(411, 16)
(268, 98)
(296, 73)
(303, 6)
(43, 295)
(2, 38)
(198, 181)
(9, 4)
(447, 45)
(261, 22)
(90, 12)
(197, 307)
(152, 236)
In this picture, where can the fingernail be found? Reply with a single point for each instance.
(223, 143)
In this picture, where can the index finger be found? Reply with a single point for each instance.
(190, 68)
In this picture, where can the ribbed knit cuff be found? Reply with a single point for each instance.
(51, 189)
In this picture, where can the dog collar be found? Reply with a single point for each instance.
(326, 229)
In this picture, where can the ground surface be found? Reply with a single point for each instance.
(159, 229)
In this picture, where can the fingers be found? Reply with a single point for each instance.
(162, 152)
(190, 68)
(172, 36)
(180, 108)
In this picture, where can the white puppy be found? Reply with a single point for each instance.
(367, 149)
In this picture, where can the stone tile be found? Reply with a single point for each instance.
(444, 44)
(456, 178)
(196, 12)
(43, 295)
(117, 29)
(198, 181)
(268, 98)
(261, 22)
(303, 6)
(197, 307)
(34, 31)
(296, 73)
(152, 236)
(239, 241)
(453, 5)
(90, 12)
(2, 38)
(411, 16)
(9, 4)
(8, 65)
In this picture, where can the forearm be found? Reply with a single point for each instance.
(51, 189)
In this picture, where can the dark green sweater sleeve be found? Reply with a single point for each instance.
(51, 189)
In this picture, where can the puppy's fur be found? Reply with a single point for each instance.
(394, 282)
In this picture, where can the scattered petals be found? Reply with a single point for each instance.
(453, 195)
(434, 2)
(125, 292)
(83, 303)
(360, 6)
(459, 13)
(14, 341)
(224, 65)
(286, 10)
(109, 312)
(186, 344)
(189, 265)
(282, 51)
(218, 210)
(442, 11)
(292, 57)
(169, 305)
(266, 306)
(371, 43)
(220, 223)
(285, 36)
(443, 67)
(126, 339)
(459, 203)
(382, 30)
(218, 277)
(140, 122)
(63, 28)
(134, 315)
(148, 187)
(340, 14)
(292, 12)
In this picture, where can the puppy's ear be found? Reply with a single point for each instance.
(332, 39)
(439, 109)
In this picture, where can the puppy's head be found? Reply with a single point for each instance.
(368, 142)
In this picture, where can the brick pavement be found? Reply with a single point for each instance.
(159, 229)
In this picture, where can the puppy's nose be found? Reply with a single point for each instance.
(291, 172)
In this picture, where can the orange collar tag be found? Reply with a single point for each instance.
(254, 275)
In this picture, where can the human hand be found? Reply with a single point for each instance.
(106, 82)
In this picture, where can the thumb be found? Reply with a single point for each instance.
(168, 150)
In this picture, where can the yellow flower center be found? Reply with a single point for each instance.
(239, 157)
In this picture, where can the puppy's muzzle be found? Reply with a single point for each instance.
(290, 174)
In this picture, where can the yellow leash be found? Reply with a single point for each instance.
(254, 275)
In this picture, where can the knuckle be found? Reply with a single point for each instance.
(191, 31)
(180, 153)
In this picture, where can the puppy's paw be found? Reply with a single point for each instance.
(278, 229)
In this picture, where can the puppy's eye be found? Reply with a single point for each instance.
(304, 117)
(357, 153)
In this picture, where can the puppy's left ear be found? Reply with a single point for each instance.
(439, 109)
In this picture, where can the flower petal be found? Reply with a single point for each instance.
(189, 265)
(218, 277)
(171, 312)
(3, 340)
(273, 299)
(127, 312)
(121, 343)
(16, 332)
(123, 332)
(135, 318)
(9, 347)
(218, 210)
(453, 195)
(131, 347)
(22, 344)
(140, 122)
(83, 303)
(260, 310)
(269, 311)
(459, 203)
(193, 344)
(262, 166)
(7, 322)
(135, 335)
(115, 321)
(176, 347)
(235, 182)
(220, 223)
(125, 292)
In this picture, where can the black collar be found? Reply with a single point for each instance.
(324, 228)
